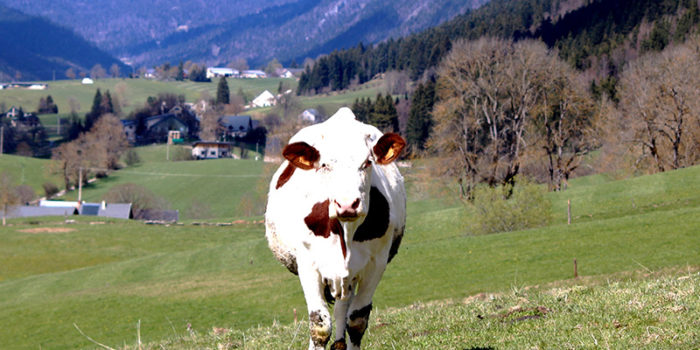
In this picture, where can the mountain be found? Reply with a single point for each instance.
(596, 36)
(33, 48)
(153, 32)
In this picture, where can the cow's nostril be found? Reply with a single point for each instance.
(356, 203)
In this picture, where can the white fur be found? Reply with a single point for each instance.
(344, 145)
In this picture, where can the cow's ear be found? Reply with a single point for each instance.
(388, 148)
(301, 155)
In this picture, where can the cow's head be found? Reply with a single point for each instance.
(342, 164)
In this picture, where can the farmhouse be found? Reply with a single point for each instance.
(157, 127)
(108, 210)
(27, 211)
(237, 125)
(253, 74)
(211, 150)
(265, 99)
(215, 72)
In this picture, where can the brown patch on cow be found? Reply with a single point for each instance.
(286, 175)
(48, 230)
(301, 155)
(377, 221)
(388, 148)
(357, 324)
(395, 246)
(321, 225)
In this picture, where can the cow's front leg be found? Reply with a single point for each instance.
(319, 317)
(340, 312)
(361, 306)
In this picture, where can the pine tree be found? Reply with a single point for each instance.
(95, 110)
(180, 72)
(420, 121)
(222, 93)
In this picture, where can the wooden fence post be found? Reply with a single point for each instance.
(568, 211)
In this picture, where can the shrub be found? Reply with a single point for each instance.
(527, 207)
(49, 189)
(25, 193)
(132, 158)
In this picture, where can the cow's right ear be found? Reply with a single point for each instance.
(301, 155)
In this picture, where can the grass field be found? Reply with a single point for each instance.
(217, 186)
(106, 276)
(135, 92)
(29, 171)
(658, 311)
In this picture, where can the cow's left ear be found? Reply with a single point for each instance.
(388, 148)
(302, 155)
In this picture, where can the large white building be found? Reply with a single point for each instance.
(215, 72)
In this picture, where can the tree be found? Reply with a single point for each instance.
(239, 64)
(223, 95)
(659, 120)
(114, 70)
(70, 73)
(8, 195)
(97, 72)
(420, 119)
(272, 67)
(487, 90)
(180, 72)
(95, 110)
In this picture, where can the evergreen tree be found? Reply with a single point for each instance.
(95, 111)
(420, 120)
(180, 72)
(223, 95)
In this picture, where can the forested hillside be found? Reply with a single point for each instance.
(597, 35)
(33, 48)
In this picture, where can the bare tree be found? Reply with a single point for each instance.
(70, 73)
(487, 90)
(659, 120)
(239, 64)
(564, 123)
(114, 70)
(396, 82)
(209, 127)
(98, 72)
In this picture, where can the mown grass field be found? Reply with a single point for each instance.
(33, 172)
(106, 275)
(135, 91)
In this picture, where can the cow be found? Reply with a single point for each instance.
(335, 216)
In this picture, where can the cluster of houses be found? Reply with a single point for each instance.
(21, 119)
(102, 209)
(26, 86)
(217, 72)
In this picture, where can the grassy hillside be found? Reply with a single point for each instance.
(216, 186)
(29, 171)
(105, 276)
(661, 311)
(135, 91)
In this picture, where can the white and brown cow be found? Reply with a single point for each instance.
(335, 216)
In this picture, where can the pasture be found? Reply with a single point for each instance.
(107, 275)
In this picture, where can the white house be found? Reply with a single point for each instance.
(213, 72)
(265, 99)
(211, 150)
(87, 81)
(253, 74)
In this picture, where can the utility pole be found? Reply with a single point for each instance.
(80, 185)
(2, 138)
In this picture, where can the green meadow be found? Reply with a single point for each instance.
(28, 171)
(133, 92)
(108, 276)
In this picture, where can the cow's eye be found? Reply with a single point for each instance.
(367, 164)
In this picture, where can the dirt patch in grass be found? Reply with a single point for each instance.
(48, 230)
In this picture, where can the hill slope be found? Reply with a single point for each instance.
(38, 49)
(106, 277)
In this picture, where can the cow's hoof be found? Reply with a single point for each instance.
(339, 345)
